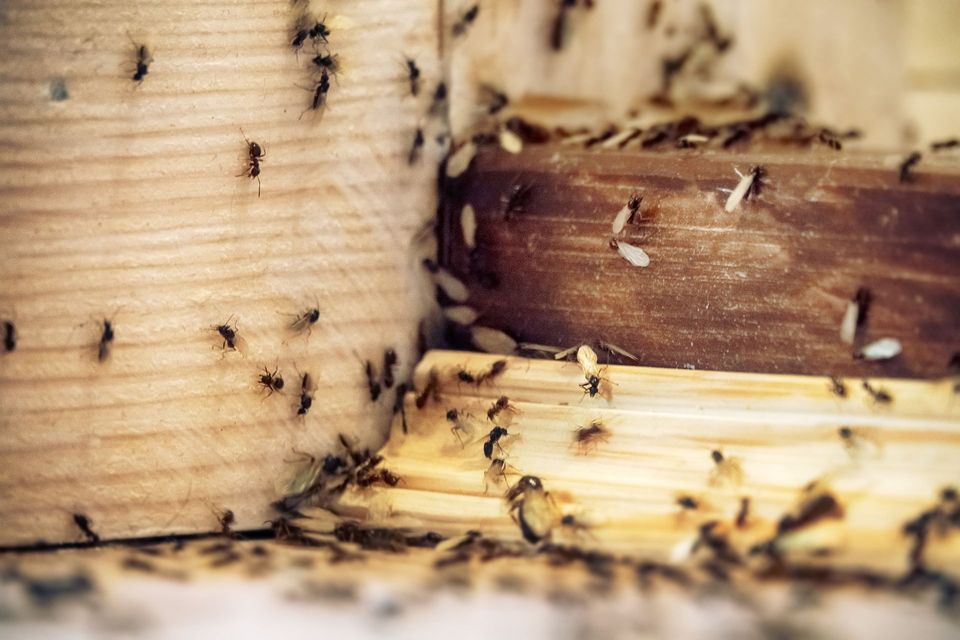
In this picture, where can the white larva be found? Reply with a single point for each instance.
(694, 139)
(739, 191)
(461, 314)
(461, 159)
(511, 142)
(468, 225)
(882, 349)
(454, 288)
(492, 340)
(848, 326)
(632, 254)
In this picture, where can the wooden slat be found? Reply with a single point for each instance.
(783, 431)
(761, 289)
(123, 202)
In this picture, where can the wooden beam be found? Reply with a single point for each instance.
(762, 289)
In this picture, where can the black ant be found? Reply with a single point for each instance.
(496, 100)
(837, 387)
(432, 388)
(945, 144)
(143, 61)
(229, 335)
(413, 73)
(373, 385)
(106, 339)
(255, 155)
(465, 376)
(907, 165)
(515, 200)
(743, 514)
(417, 145)
(454, 417)
(758, 173)
(271, 380)
(688, 502)
(226, 520)
(389, 362)
(84, 524)
(460, 27)
(559, 25)
(494, 439)
(319, 31)
(878, 395)
(306, 400)
(495, 370)
(593, 434)
(398, 405)
(306, 320)
(330, 63)
(592, 385)
(319, 93)
(439, 97)
(9, 336)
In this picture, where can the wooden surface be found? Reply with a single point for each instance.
(122, 201)
(763, 288)
(782, 431)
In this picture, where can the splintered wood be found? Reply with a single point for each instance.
(777, 467)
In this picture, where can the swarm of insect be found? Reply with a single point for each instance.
(255, 155)
(271, 381)
(725, 470)
(535, 510)
(590, 436)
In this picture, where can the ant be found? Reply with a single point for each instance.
(744, 513)
(593, 434)
(307, 387)
(271, 380)
(494, 439)
(372, 384)
(465, 376)
(229, 335)
(688, 502)
(413, 73)
(328, 62)
(9, 336)
(838, 387)
(502, 404)
(389, 362)
(496, 369)
(255, 155)
(878, 395)
(226, 519)
(460, 27)
(432, 388)
(306, 320)
(106, 339)
(726, 469)
(84, 524)
(459, 424)
(143, 61)
(758, 173)
(907, 165)
(398, 406)
(319, 31)
(319, 93)
(415, 148)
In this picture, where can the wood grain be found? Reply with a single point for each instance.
(663, 426)
(123, 201)
(761, 289)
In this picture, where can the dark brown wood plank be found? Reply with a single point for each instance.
(761, 289)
